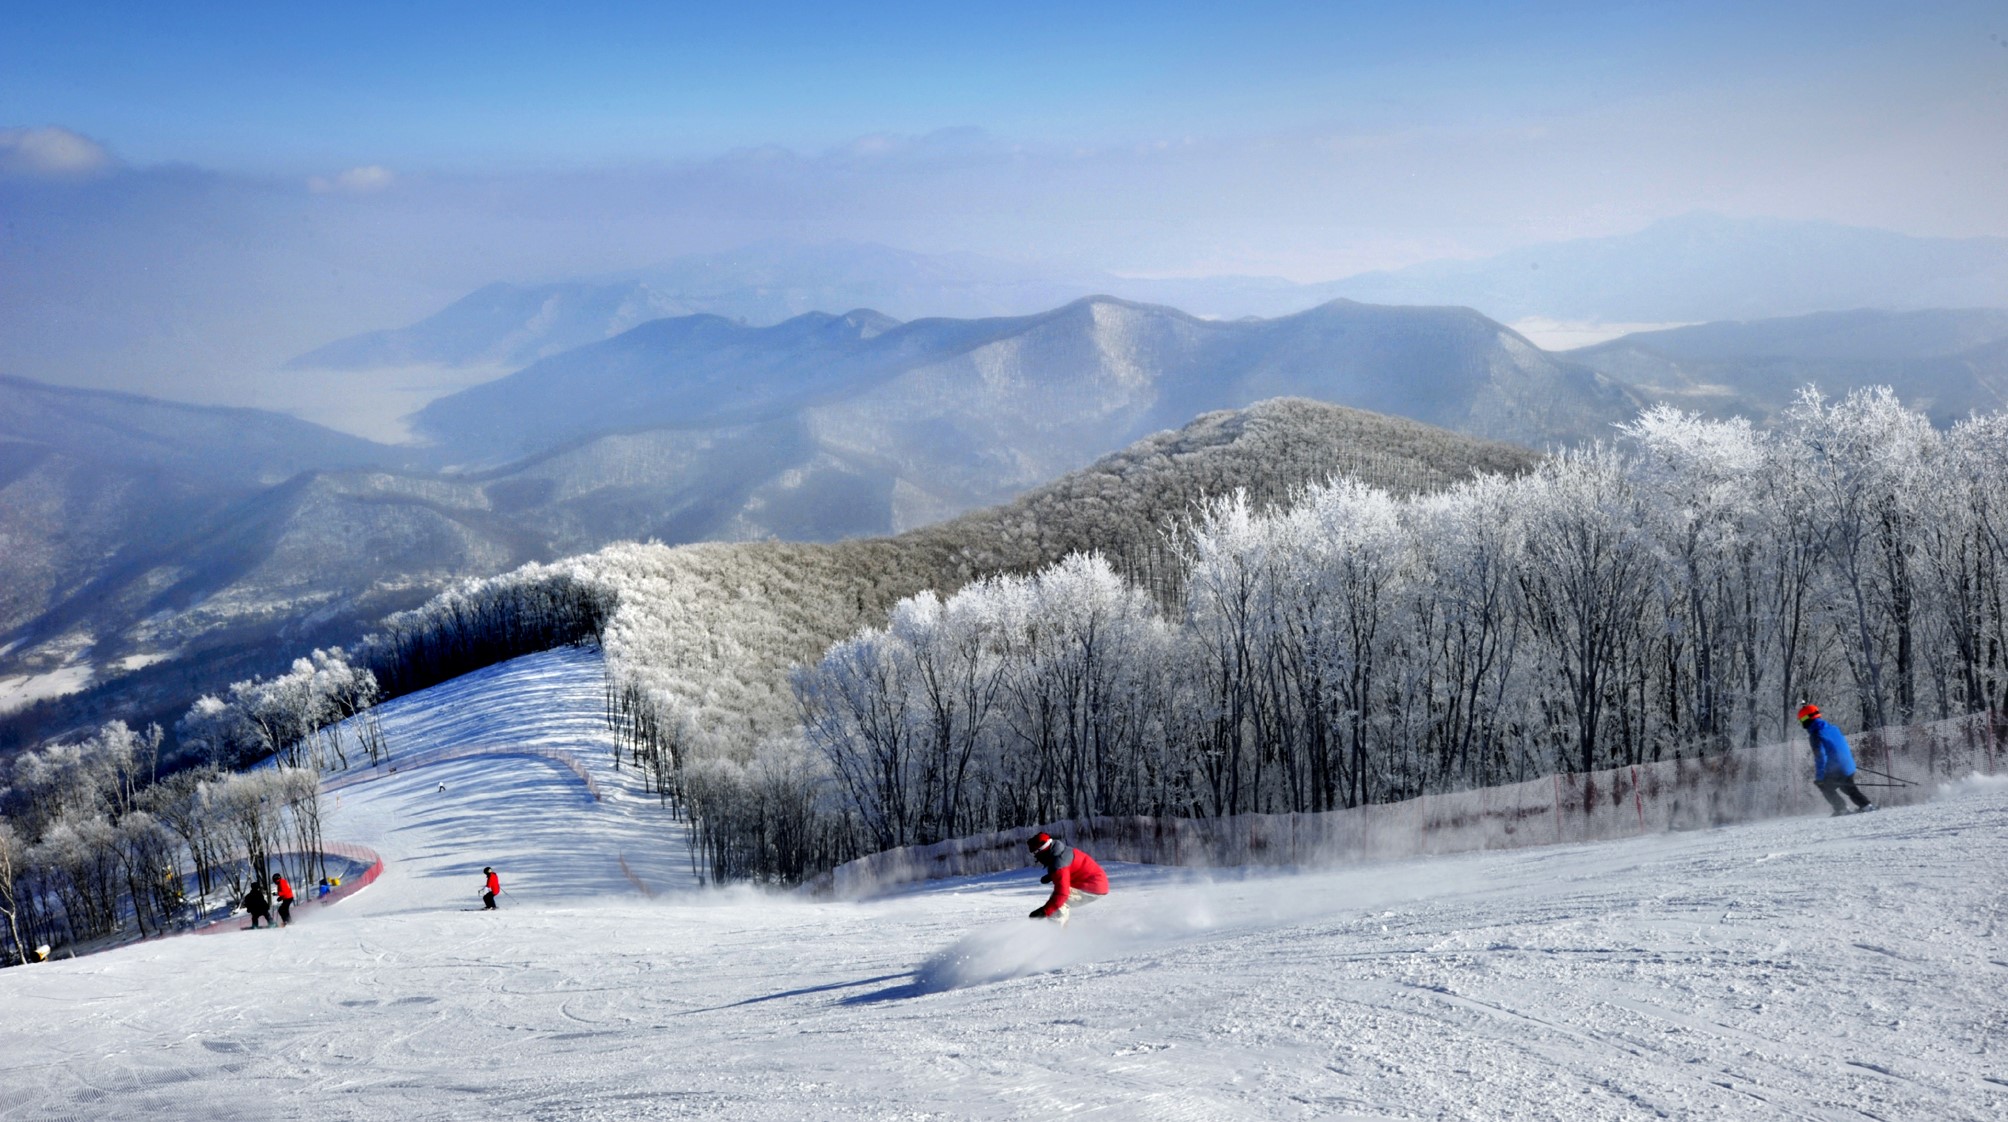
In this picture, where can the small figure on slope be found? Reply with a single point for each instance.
(1833, 763)
(259, 905)
(282, 891)
(1075, 877)
(490, 889)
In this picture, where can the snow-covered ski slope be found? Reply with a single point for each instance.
(1808, 968)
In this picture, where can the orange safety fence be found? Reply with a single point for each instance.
(356, 855)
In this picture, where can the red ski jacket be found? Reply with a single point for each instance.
(285, 889)
(1068, 869)
(494, 884)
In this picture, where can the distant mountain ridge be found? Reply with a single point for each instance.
(501, 325)
(1022, 399)
(1691, 268)
(1704, 267)
(1948, 363)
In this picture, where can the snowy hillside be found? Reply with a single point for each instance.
(1809, 968)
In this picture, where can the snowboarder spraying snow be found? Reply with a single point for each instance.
(1833, 763)
(1075, 877)
(490, 889)
(282, 891)
(259, 905)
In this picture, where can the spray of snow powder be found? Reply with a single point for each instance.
(1018, 948)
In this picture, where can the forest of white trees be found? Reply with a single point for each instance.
(1676, 591)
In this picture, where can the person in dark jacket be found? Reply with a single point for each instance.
(1833, 762)
(490, 888)
(1075, 877)
(259, 905)
(282, 891)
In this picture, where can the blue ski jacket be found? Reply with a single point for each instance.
(1830, 751)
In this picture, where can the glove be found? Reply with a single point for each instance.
(1047, 879)
(1038, 913)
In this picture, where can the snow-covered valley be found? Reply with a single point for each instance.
(1802, 968)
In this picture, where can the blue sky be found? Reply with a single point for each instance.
(185, 188)
(456, 86)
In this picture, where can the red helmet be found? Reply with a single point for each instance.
(1039, 843)
(1807, 712)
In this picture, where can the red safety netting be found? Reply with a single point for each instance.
(357, 856)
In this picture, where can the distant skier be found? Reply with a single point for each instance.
(259, 905)
(1075, 877)
(282, 891)
(490, 889)
(1833, 763)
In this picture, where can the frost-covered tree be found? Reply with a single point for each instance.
(1867, 458)
(1465, 631)
(1699, 484)
(855, 711)
(13, 887)
(1231, 578)
(1586, 575)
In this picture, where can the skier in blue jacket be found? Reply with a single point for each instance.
(1833, 763)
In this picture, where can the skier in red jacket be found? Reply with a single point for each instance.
(490, 890)
(283, 892)
(1075, 877)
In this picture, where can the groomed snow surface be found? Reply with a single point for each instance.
(1807, 968)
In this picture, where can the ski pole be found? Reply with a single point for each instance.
(1887, 775)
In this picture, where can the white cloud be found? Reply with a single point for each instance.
(51, 153)
(355, 181)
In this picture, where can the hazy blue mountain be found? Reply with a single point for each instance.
(683, 372)
(503, 325)
(978, 409)
(1707, 267)
(513, 325)
(1947, 363)
(1699, 267)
